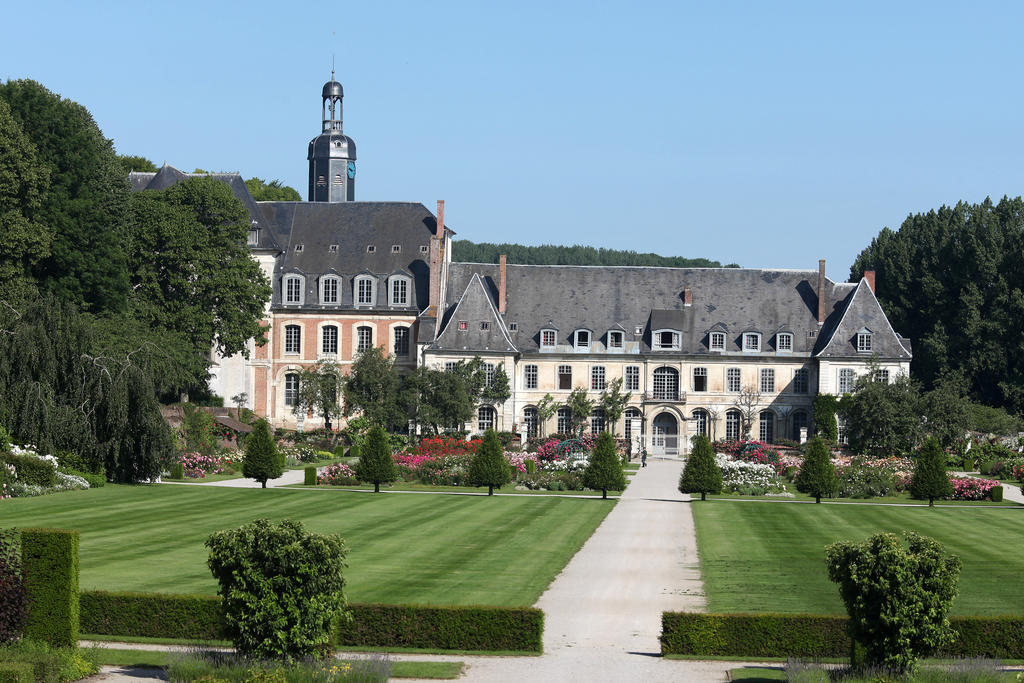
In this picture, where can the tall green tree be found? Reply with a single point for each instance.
(131, 163)
(930, 478)
(613, 402)
(946, 409)
(817, 476)
(604, 470)
(497, 390)
(262, 460)
(274, 191)
(951, 279)
(372, 389)
(376, 466)
(24, 241)
(580, 406)
(546, 408)
(576, 255)
(191, 270)
(883, 418)
(701, 474)
(488, 467)
(84, 203)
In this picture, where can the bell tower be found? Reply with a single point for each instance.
(332, 154)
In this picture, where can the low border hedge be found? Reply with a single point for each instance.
(49, 560)
(199, 617)
(815, 635)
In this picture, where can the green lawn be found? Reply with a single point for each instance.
(444, 550)
(769, 557)
(416, 486)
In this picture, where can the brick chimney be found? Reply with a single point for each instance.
(821, 292)
(501, 284)
(687, 297)
(434, 288)
(869, 275)
(440, 219)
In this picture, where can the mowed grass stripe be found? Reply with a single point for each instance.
(770, 557)
(431, 549)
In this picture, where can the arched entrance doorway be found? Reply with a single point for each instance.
(665, 435)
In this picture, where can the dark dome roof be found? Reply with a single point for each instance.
(333, 89)
(332, 145)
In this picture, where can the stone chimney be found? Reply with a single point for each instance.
(869, 275)
(501, 284)
(687, 297)
(821, 292)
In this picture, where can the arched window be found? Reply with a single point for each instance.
(666, 384)
(700, 422)
(364, 338)
(530, 421)
(767, 422)
(484, 418)
(293, 289)
(364, 291)
(597, 421)
(291, 388)
(401, 346)
(799, 422)
(732, 425)
(292, 339)
(329, 339)
(564, 420)
(330, 289)
(632, 414)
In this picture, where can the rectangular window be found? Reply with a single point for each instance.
(784, 342)
(632, 378)
(463, 325)
(882, 376)
(330, 291)
(846, 380)
(450, 365)
(292, 339)
(254, 234)
(614, 340)
(530, 376)
(732, 380)
(564, 417)
(485, 325)
(364, 338)
(841, 433)
(717, 341)
(597, 378)
(666, 340)
(700, 379)
(330, 339)
(489, 375)
(401, 341)
(800, 381)
(751, 341)
(399, 292)
(293, 290)
(582, 339)
(863, 342)
(364, 292)
(291, 388)
(547, 338)
(767, 381)
(565, 377)
(597, 421)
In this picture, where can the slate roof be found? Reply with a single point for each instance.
(352, 227)
(477, 310)
(601, 298)
(862, 312)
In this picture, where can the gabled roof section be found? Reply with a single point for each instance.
(862, 311)
(474, 307)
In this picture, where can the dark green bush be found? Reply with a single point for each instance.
(33, 470)
(997, 494)
(49, 559)
(309, 476)
(339, 451)
(985, 467)
(813, 636)
(177, 471)
(13, 598)
(200, 617)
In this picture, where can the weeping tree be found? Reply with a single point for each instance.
(60, 389)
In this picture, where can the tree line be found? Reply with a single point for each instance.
(576, 255)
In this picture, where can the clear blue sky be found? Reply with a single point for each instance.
(769, 134)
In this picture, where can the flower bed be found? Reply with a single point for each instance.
(198, 466)
(26, 483)
(971, 488)
(440, 446)
(749, 478)
(338, 475)
(751, 451)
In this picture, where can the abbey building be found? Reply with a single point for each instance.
(699, 350)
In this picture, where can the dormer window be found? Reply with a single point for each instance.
(364, 291)
(329, 288)
(784, 342)
(298, 248)
(716, 341)
(582, 339)
(423, 249)
(396, 248)
(333, 248)
(615, 339)
(254, 234)
(399, 291)
(548, 339)
(370, 249)
(751, 342)
(293, 289)
(864, 341)
(666, 340)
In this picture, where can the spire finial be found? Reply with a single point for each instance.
(332, 66)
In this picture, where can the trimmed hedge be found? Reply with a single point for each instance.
(814, 635)
(16, 672)
(199, 617)
(997, 494)
(309, 476)
(33, 470)
(49, 560)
